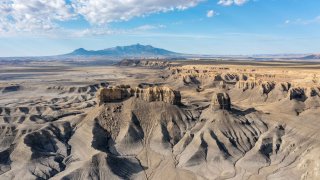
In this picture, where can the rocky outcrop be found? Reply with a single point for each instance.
(113, 94)
(298, 94)
(314, 92)
(144, 63)
(10, 88)
(77, 89)
(221, 101)
(264, 87)
(245, 85)
(149, 94)
(164, 94)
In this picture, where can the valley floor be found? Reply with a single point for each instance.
(236, 120)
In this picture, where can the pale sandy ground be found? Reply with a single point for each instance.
(52, 127)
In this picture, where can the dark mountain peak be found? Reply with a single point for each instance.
(136, 50)
(79, 51)
(312, 56)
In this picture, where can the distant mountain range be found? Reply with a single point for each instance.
(148, 51)
(312, 56)
(136, 50)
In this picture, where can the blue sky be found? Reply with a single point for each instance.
(50, 27)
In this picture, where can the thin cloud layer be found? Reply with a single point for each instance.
(232, 2)
(299, 21)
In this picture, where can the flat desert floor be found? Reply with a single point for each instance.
(160, 120)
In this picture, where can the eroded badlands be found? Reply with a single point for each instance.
(161, 120)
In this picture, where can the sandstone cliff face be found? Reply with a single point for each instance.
(246, 78)
(264, 87)
(221, 101)
(290, 90)
(149, 94)
(245, 85)
(144, 63)
(112, 94)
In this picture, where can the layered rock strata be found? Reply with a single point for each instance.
(149, 94)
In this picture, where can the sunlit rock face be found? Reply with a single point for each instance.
(149, 94)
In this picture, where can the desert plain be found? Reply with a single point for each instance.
(157, 119)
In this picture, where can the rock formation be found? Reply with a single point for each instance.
(113, 94)
(149, 94)
(10, 88)
(77, 89)
(221, 101)
(298, 94)
(264, 87)
(145, 63)
(55, 130)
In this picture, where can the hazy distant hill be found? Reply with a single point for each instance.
(136, 50)
(312, 56)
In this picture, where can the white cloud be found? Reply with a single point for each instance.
(232, 2)
(45, 15)
(106, 11)
(211, 13)
(22, 15)
(240, 2)
(225, 2)
(40, 16)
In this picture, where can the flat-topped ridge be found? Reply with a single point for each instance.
(149, 94)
